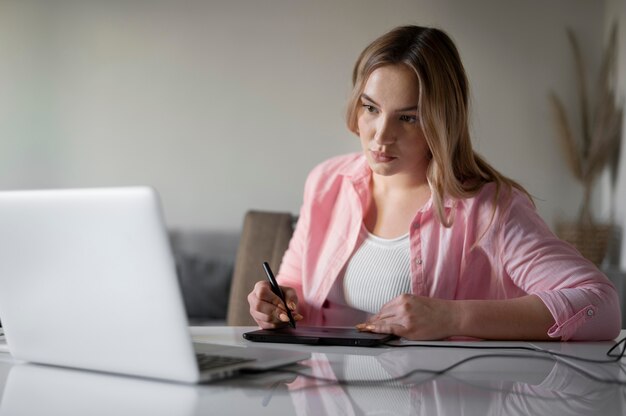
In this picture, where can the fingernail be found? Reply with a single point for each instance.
(369, 327)
(292, 305)
(283, 317)
(298, 317)
(359, 326)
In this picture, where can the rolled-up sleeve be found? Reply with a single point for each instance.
(581, 299)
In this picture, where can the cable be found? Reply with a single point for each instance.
(616, 357)
(550, 355)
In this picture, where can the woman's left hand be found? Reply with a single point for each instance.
(415, 317)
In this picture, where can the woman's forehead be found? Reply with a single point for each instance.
(394, 85)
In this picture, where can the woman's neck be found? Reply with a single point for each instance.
(398, 183)
(394, 203)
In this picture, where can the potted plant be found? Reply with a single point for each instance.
(595, 149)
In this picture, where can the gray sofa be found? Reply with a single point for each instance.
(205, 261)
(217, 269)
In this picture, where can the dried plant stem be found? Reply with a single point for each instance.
(582, 91)
(600, 140)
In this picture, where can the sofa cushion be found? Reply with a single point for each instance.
(204, 262)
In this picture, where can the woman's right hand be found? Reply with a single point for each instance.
(268, 310)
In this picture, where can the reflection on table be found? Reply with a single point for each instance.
(511, 385)
(522, 386)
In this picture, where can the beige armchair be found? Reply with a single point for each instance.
(265, 237)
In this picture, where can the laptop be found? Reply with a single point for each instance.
(88, 280)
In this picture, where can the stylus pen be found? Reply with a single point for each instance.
(278, 292)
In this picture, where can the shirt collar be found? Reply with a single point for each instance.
(358, 171)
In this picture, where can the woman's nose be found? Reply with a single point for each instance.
(384, 132)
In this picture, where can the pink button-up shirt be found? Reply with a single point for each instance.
(484, 255)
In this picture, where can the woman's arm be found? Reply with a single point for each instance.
(524, 318)
(424, 318)
(582, 301)
(566, 298)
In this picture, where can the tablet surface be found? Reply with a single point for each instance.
(319, 335)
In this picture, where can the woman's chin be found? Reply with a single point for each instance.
(383, 169)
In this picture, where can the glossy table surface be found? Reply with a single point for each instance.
(351, 381)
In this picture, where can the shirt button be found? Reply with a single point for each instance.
(590, 312)
(418, 261)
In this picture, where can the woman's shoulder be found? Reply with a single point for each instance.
(493, 209)
(326, 178)
(493, 201)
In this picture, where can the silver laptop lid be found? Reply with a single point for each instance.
(87, 280)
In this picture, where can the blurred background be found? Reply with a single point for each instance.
(224, 106)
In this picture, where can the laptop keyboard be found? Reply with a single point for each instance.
(210, 361)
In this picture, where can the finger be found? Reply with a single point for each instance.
(291, 297)
(266, 295)
(264, 292)
(264, 306)
(265, 311)
(377, 320)
(285, 318)
(272, 320)
(381, 317)
(386, 328)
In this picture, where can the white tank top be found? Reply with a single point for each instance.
(378, 271)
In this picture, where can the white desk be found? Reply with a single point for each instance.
(490, 386)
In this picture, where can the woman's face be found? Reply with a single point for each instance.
(391, 136)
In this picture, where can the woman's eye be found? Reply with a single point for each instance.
(408, 119)
(369, 108)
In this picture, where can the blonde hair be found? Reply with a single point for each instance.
(455, 170)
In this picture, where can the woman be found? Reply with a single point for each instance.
(417, 235)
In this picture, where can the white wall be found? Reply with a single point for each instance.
(225, 106)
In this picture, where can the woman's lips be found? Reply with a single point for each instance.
(381, 157)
